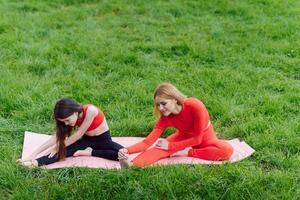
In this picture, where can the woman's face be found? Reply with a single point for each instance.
(166, 106)
(71, 120)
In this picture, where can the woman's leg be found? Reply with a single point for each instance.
(215, 149)
(150, 156)
(177, 136)
(154, 154)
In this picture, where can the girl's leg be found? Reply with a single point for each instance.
(85, 152)
(110, 151)
(107, 149)
(212, 150)
(101, 146)
(70, 150)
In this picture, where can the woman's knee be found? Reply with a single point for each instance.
(228, 151)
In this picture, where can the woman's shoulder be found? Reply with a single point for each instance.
(191, 101)
(194, 104)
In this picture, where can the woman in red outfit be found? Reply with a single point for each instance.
(194, 137)
(92, 138)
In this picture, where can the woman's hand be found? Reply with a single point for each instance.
(162, 144)
(123, 154)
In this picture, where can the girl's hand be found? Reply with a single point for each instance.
(52, 152)
(123, 154)
(162, 144)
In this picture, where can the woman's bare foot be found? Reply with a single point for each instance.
(86, 152)
(125, 163)
(183, 152)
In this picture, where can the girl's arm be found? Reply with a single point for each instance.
(41, 148)
(92, 111)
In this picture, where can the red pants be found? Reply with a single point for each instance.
(211, 148)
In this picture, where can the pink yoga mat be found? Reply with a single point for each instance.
(34, 140)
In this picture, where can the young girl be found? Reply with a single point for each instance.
(92, 138)
(194, 137)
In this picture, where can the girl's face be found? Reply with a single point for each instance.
(71, 120)
(166, 106)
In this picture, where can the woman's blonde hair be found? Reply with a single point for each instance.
(168, 91)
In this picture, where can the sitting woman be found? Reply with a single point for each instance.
(92, 138)
(194, 137)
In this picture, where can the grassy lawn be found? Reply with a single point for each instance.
(241, 58)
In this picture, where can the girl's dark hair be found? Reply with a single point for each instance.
(64, 108)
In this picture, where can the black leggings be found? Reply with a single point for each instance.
(102, 146)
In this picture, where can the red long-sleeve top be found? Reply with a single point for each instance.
(191, 121)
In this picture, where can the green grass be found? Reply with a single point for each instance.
(241, 58)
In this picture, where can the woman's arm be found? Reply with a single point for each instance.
(200, 119)
(92, 111)
(147, 142)
(158, 129)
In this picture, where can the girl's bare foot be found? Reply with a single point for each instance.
(19, 161)
(27, 163)
(125, 163)
(86, 152)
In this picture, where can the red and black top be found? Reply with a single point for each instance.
(99, 118)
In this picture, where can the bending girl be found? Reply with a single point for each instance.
(92, 138)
